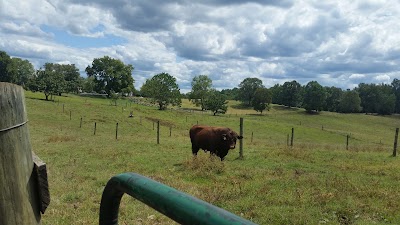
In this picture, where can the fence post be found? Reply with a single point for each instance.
(170, 131)
(80, 126)
(158, 132)
(291, 139)
(395, 142)
(347, 142)
(241, 140)
(252, 137)
(116, 132)
(70, 114)
(94, 132)
(19, 198)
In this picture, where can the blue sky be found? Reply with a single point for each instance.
(337, 43)
(62, 37)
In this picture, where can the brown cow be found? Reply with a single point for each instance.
(217, 140)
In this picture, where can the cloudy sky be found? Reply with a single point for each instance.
(337, 43)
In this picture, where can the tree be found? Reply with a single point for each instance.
(5, 62)
(88, 85)
(72, 78)
(377, 98)
(247, 88)
(216, 102)
(396, 91)
(333, 96)
(349, 102)
(314, 97)
(111, 74)
(261, 100)
(22, 71)
(291, 94)
(201, 85)
(231, 94)
(163, 90)
(277, 94)
(49, 80)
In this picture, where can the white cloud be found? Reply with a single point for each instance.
(337, 43)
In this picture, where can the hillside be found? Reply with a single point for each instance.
(315, 181)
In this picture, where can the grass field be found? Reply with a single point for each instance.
(317, 181)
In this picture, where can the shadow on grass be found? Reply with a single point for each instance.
(241, 106)
(283, 108)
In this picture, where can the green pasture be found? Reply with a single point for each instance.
(317, 181)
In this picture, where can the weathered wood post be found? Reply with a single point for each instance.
(347, 142)
(291, 139)
(19, 195)
(396, 136)
(116, 132)
(95, 125)
(241, 140)
(80, 125)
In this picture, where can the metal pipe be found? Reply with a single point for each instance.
(180, 207)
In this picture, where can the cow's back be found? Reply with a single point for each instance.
(194, 131)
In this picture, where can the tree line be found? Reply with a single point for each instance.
(113, 78)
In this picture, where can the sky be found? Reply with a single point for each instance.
(337, 43)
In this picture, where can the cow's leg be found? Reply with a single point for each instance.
(195, 149)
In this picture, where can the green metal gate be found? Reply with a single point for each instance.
(180, 207)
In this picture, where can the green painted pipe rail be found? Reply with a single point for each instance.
(180, 207)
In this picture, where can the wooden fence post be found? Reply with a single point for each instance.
(252, 137)
(80, 126)
(291, 139)
(170, 131)
(347, 142)
(94, 132)
(19, 197)
(116, 132)
(241, 140)
(395, 142)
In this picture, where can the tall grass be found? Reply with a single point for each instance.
(315, 181)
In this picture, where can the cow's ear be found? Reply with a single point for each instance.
(240, 137)
(224, 137)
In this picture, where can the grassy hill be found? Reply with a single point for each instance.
(315, 181)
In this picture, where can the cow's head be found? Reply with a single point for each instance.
(230, 137)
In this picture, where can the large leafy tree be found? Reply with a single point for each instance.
(5, 62)
(314, 96)
(216, 102)
(291, 93)
(21, 70)
(350, 102)
(333, 96)
(111, 75)
(72, 77)
(377, 98)
(396, 91)
(201, 86)
(163, 90)
(247, 89)
(261, 100)
(49, 80)
(277, 94)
